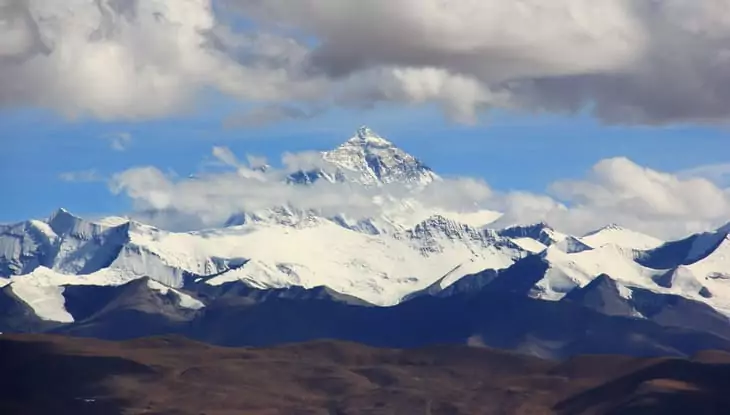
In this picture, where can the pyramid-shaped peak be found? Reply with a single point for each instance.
(370, 159)
(61, 214)
(366, 136)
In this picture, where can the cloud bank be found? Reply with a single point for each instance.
(615, 190)
(633, 62)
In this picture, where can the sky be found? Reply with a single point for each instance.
(601, 112)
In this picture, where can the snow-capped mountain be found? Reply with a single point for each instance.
(556, 272)
(408, 251)
(368, 159)
(40, 257)
(617, 235)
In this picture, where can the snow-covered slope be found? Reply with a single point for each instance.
(380, 269)
(43, 290)
(619, 236)
(567, 271)
(706, 279)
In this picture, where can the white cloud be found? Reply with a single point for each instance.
(133, 59)
(614, 191)
(119, 141)
(214, 196)
(619, 191)
(630, 61)
(716, 173)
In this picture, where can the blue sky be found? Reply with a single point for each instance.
(93, 89)
(509, 151)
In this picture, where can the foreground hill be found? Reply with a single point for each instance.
(49, 374)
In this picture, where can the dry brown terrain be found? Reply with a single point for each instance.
(171, 375)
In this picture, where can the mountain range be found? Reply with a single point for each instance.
(285, 274)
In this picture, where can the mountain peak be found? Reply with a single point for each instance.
(366, 137)
(370, 159)
(612, 227)
(63, 222)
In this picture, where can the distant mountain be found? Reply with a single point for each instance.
(87, 278)
(617, 235)
(368, 159)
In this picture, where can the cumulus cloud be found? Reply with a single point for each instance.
(647, 62)
(213, 197)
(634, 62)
(615, 190)
(618, 190)
(716, 173)
(133, 59)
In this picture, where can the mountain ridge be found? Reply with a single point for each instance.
(284, 255)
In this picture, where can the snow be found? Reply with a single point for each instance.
(370, 159)
(377, 269)
(712, 272)
(186, 301)
(567, 271)
(616, 235)
(44, 228)
(43, 290)
(477, 219)
(572, 270)
(112, 221)
(529, 244)
(47, 302)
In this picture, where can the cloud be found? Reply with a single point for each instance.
(632, 62)
(83, 176)
(266, 115)
(213, 197)
(635, 62)
(257, 162)
(618, 190)
(615, 190)
(119, 141)
(134, 59)
(716, 173)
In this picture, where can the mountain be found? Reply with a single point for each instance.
(617, 235)
(556, 272)
(497, 319)
(379, 269)
(311, 274)
(368, 159)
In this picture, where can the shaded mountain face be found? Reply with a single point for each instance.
(235, 315)
(176, 376)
